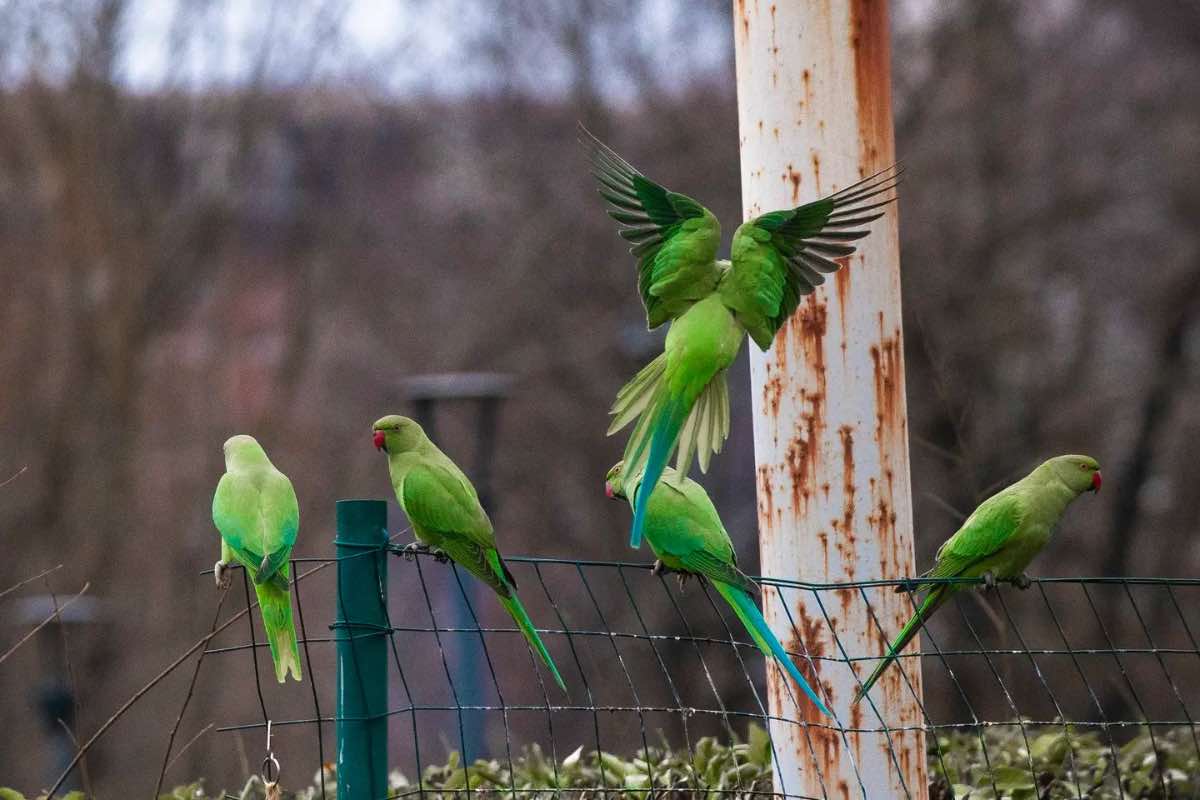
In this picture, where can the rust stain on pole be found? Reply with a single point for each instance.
(830, 431)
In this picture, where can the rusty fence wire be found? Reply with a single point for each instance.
(1074, 687)
(1051, 687)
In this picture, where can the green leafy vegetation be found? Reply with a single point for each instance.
(1066, 763)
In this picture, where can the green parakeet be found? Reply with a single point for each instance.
(999, 539)
(686, 535)
(255, 510)
(446, 517)
(680, 399)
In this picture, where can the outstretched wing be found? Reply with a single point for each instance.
(675, 239)
(783, 255)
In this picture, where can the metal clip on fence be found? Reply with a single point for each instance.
(270, 765)
(360, 631)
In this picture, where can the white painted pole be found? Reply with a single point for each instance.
(830, 423)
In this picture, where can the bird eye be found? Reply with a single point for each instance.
(1083, 467)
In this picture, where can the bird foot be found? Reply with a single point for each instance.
(440, 556)
(989, 581)
(1022, 581)
(222, 575)
(683, 579)
(410, 550)
(659, 569)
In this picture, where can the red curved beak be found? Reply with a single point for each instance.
(380, 441)
(1096, 481)
(608, 490)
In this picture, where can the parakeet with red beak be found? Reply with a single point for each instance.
(680, 399)
(999, 540)
(255, 510)
(447, 519)
(686, 535)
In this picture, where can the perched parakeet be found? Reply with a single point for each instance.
(999, 539)
(686, 535)
(446, 517)
(255, 510)
(680, 399)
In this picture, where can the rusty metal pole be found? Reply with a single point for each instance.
(830, 423)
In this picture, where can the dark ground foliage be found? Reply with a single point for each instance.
(1006, 762)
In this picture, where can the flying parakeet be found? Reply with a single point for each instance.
(687, 536)
(255, 510)
(680, 399)
(446, 517)
(999, 539)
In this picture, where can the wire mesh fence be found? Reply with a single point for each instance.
(1074, 687)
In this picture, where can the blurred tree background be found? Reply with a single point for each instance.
(220, 218)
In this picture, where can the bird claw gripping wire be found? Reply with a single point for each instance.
(659, 569)
(989, 582)
(412, 549)
(222, 575)
(1022, 581)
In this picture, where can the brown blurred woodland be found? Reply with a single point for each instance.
(276, 254)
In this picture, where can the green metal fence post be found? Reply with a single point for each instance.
(361, 634)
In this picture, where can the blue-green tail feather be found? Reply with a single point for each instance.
(931, 603)
(748, 612)
(666, 427)
(519, 615)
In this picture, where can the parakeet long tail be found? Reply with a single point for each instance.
(747, 611)
(664, 434)
(507, 592)
(695, 420)
(932, 601)
(514, 607)
(276, 607)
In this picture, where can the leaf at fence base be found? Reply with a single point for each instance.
(760, 746)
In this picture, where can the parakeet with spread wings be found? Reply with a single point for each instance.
(680, 400)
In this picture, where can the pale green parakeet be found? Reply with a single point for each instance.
(255, 510)
(999, 539)
(686, 535)
(446, 517)
(680, 399)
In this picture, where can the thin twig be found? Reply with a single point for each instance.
(190, 742)
(120, 712)
(945, 506)
(14, 476)
(41, 574)
(188, 698)
(77, 705)
(41, 625)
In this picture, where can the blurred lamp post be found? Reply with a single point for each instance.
(56, 701)
(487, 391)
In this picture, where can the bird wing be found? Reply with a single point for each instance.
(984, 534)
(281, 522)
(674, 238)
(780, 256)
(693, 533)
(435, 498)
(257, 521)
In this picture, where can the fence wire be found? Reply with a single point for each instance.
(1076, 672)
